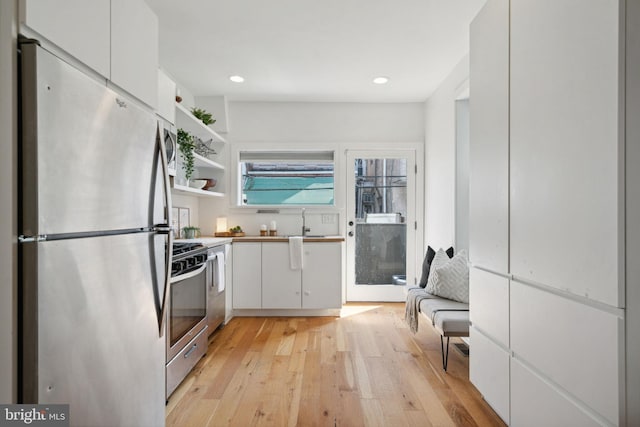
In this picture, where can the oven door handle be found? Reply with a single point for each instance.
(189, 275)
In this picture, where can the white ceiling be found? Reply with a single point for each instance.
(304, 50)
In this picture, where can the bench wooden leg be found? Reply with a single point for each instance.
(445, 356)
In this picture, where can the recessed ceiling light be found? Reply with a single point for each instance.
(381, 80)
(236, 79)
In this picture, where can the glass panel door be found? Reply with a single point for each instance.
(380, 224)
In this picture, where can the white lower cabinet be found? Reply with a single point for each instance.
(322, 275)
(281, 286)
(247, 275)
(263, 278)
(489, 372)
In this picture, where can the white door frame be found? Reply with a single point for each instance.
(414, 210)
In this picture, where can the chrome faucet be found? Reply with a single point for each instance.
(305, 229)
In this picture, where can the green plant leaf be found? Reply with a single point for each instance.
(187, 144)
(203, 115)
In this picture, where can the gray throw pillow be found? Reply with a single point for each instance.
(426, 264)
(451, 280)
(439, 260)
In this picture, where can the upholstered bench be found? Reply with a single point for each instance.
(449, 318)
(442, 297)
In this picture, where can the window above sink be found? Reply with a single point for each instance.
(286, 178)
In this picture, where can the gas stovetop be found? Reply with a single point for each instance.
(187, 257)
(183, 247)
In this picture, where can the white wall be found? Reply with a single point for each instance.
(462, 175)
(320, 125)
(8, 159)
(191, 203)
(440, 138)
(325, 122)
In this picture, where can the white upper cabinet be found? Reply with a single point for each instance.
(80, 27)
(489, 148)
(166, 97)
(134, 49)
(565, 143)
(116, 38)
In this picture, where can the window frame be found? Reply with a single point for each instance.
(288, 152)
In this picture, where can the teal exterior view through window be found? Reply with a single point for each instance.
(288, 190)
(288, 182)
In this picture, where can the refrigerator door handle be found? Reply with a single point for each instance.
(162, 229)
(165, 228)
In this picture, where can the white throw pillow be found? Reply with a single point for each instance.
(451, 280)
(440, 259)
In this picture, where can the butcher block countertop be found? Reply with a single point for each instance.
(284, 239)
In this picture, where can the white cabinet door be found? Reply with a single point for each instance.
(322, 275)
(489, 148)
(577, 346)
(79, 27)
(565, 147)
(247, 272)
(489, 304)
(166, 97)
(535, 402)
(134, 49)
(489, 372)
(280, 284)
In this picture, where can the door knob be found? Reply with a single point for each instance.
(351, 234)
(350, 223)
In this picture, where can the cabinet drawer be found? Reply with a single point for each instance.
(489, 304)
(536, 403)
(183, 363)
(552, 333)
(489, 372)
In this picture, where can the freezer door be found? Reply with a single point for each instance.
(91, 328)
(89, 155)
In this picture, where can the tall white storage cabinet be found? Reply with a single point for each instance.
(547, 209)
(489, 205)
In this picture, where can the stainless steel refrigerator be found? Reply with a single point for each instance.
(94, 247)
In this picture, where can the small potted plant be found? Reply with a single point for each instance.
(203, 115)
(187, 145)
(236, 231)
(191, 232)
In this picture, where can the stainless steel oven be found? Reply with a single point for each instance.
(187, 311)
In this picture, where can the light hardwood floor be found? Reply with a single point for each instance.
(362, 369)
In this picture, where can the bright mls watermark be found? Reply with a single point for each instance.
(34, 415)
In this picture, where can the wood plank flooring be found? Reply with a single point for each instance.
(364, 368)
